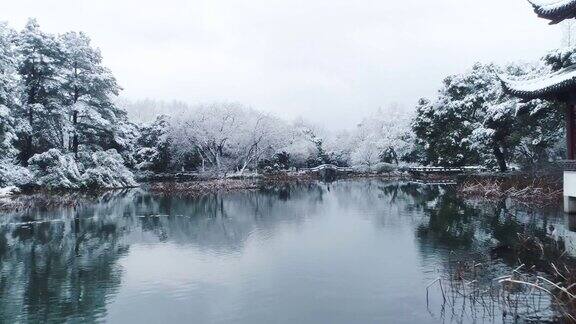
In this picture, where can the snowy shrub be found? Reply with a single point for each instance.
(103, 169)
(384, 168)
(107, 170)
(14, 175)
(55, 170)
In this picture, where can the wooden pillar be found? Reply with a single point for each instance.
(571, 131)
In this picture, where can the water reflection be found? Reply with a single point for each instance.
(290, 253)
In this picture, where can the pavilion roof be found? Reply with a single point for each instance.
(555, 10)
(558, 85)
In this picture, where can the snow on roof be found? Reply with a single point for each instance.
(555, 10)
(552, 86)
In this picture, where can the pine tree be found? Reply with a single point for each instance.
(88, 92)
(8, 91)
(472, 121)
(41, 59)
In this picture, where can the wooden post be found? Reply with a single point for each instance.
(570, 131)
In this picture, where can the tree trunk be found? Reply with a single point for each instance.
(500, 158)
(394, 155)
(28, 149)
(75, 98)
(29, 139)
(244, 166)
(75, 136)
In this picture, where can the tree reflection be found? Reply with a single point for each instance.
(450, 223)
(58, 269)
(458, 224)
(63, 265)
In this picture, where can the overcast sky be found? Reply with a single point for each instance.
(330, 61)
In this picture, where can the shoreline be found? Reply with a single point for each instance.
(51, 199)
(527, 189)
(213, 185)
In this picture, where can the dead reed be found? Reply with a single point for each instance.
(542, 190)
(541, 288)
(203, 186)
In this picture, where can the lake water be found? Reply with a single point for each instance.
(346, 252)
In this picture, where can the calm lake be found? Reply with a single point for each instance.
(352, 251)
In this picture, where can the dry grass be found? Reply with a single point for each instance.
(525, 189)
(541, 289)
(42, 201)
(204, 186)
(516, 297)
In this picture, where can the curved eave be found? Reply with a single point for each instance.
(555, 11)
(555, 86)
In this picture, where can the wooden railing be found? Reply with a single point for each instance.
(432, 170)
(567, 165)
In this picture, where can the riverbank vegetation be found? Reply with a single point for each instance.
(526, 188)
(63, 125)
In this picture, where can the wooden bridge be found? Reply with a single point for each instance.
(325, 167)
(328, 171)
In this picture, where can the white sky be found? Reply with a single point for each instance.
(330, 61)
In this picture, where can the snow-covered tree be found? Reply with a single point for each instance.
(147, 110)
(260, 137)
(154, 147)
(541, 133)
(445, 126)
(40, 64)
(310, 145)
(9, 93)
(88, 92)
(206, 130)
(472, 121)
(339, 147)
(382, 137)
(227, 136)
